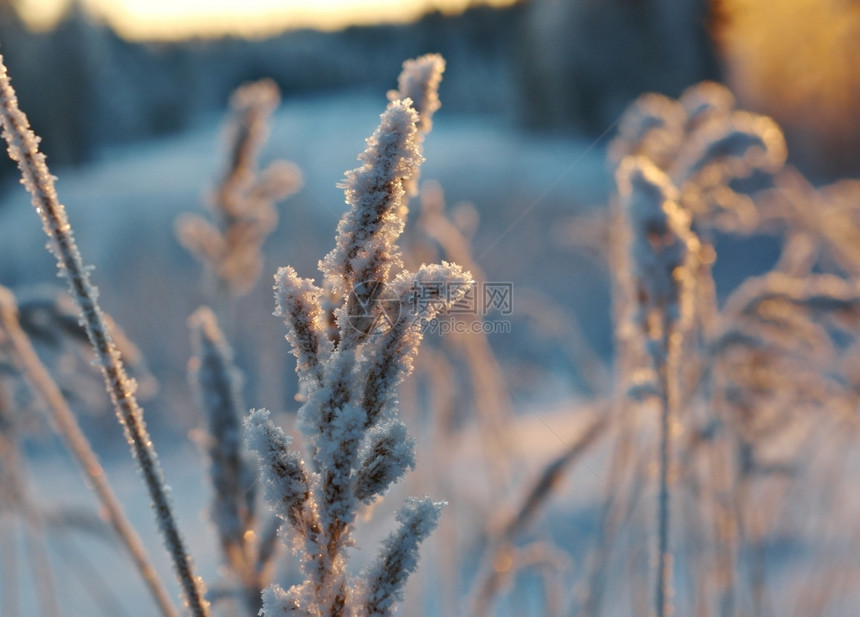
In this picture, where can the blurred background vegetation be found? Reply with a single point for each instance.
(552, 65)
(548, 64)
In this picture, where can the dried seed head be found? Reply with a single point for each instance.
(661, 243)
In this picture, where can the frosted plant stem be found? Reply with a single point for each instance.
(724, 525)
(662, 290)
(663, 566)
(668, 377)
(23, 148)
(67, 426)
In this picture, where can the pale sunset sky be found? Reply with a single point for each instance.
(179, 18)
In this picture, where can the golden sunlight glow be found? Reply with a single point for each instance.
(173, 19)
(798, 61)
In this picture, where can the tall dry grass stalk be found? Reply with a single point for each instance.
(243, 204)
(248, 544)
(661, 246)
(490, 396)
(16, 490)
(725, 169)
(23, 148)
(67, 426)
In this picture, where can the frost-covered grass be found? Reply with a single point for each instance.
(707, 471)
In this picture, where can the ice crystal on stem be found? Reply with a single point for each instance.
(398, 558)
(365, 250)
(419, 82)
